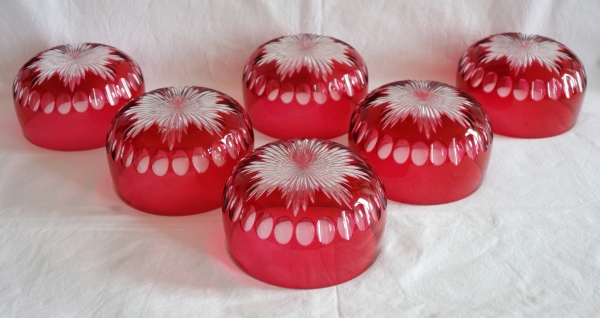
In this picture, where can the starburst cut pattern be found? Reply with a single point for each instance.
(425, 102)
(172, 110)
(316, 53)
(302, 167)
(71, 62)
(522, 50)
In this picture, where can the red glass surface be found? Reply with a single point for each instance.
(65, 97)
(171, 150)
(303, 86)
(304, 214)
(429, 142)
(531, 86)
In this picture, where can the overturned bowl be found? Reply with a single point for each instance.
(66, 97)
(303, 86)
(530, 86)
(171, 150)
(304, 213)
(429, 142)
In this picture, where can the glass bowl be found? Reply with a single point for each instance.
(530, 86)
(428, 141)
(171, 150)
(65, 97)
(304, 213)
(303, 86)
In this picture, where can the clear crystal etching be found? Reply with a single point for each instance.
(173, 110)
(426, 102)
(316, 53)
(523, 50)
(301, 169)
(72, 62)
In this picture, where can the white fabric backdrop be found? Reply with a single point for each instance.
(527, 244)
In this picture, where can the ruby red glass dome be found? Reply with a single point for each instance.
(65, 97)
(303, 86)
(171, 150)
(304, 213)
(530, 86)
(429, 142)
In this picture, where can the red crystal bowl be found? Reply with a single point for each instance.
(429, 142)
(303, 86)
(65, 97)
(304, 214)
(171, 150)
(530, 86)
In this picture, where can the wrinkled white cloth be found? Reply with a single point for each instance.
(526, 244)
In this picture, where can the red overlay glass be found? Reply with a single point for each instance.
(531, 86)
(304, 214)
(65, 97)
(303, 86)
(171, 150)
(429, 142)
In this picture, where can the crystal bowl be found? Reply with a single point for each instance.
(303, 86)
(171, 150)
(531, 86)
(65, 97)
(304, 213)
(429, 142)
